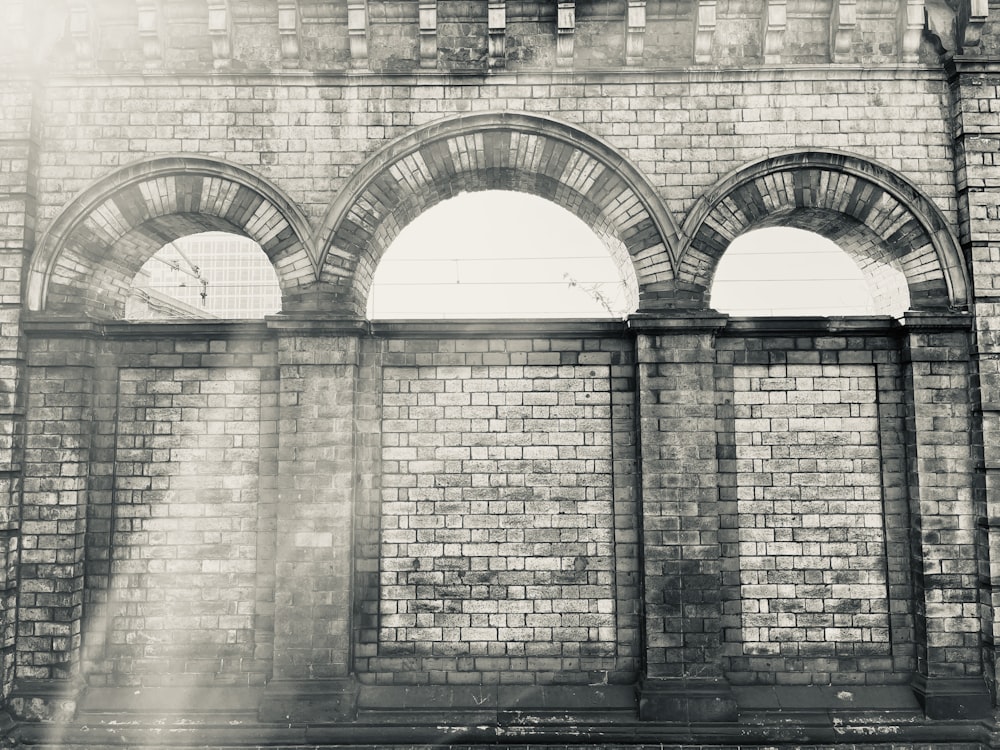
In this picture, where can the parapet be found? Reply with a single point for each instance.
(488, 36)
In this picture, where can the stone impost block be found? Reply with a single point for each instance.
(324, 701)
(686, 701)
(953, 697)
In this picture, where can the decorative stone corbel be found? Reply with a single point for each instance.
(288, 29)
(150, 19)
(775, 23)
(219, 29)
(428, 33)
(357, 32)
(843, 21)
(82, 32)
(497, 30)
(635, 31)
(566, 19)
(704, 31)
(972, 16)
(911, 23)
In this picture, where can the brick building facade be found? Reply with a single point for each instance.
(679, 529)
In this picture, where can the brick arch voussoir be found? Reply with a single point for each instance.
(911, 229)
(91, 246)
(512, 151)
(363, 245)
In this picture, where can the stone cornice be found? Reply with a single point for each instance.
(820, 72)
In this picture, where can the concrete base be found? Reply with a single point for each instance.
(45, 700)
(318, 701)
(496, 704)
(687, 701)
(953, 697)
(585, 717)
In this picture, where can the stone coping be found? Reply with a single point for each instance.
(53, 326)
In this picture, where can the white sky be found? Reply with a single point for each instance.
(501, 254)
(783, 271)
(466, 257)
(497, 254)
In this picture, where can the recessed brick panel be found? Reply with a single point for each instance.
(816, 522)
(498, 539)
(184, 565)
(812, 543)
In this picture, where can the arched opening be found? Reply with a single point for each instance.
(788, 271)
(88, 258)
(883, 223)
(456, 260)
(494, 151)
(214, 275)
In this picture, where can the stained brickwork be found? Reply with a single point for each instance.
(816, 480)
(185, 537)
(18, 213)
(170, 417)
(945, 533)
(656, 524)
(829, 470)
(315, 483)
(975, 124)
(680, 514)
(499, 517)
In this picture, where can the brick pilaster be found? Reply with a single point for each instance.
(940, 457)
(18, 212)
(680, 522)
(53, 524)
(316, 489)
(974, 85)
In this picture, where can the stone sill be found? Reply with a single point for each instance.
(646, 323)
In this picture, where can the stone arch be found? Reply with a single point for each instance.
(86, 260)
(505, 151)
(876, 216)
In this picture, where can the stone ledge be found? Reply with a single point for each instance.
(236, 734)
(826, 699)
(677, 75)
(499, 704)
(302, 701)
(167, 701)
(812, 325)
(496, 328)
(578, 716)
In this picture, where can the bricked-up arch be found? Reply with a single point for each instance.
(873, 214)
(89, 256)
(496, 151)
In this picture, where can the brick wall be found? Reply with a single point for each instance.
(683, 135)
(500, 558)
(57, 455)
(690, 501)
(975, 123)
(435, 510)
(316, 477)
(817, 477)
(179, 531)
(19, 132)
(946, 501)
(185, 536)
